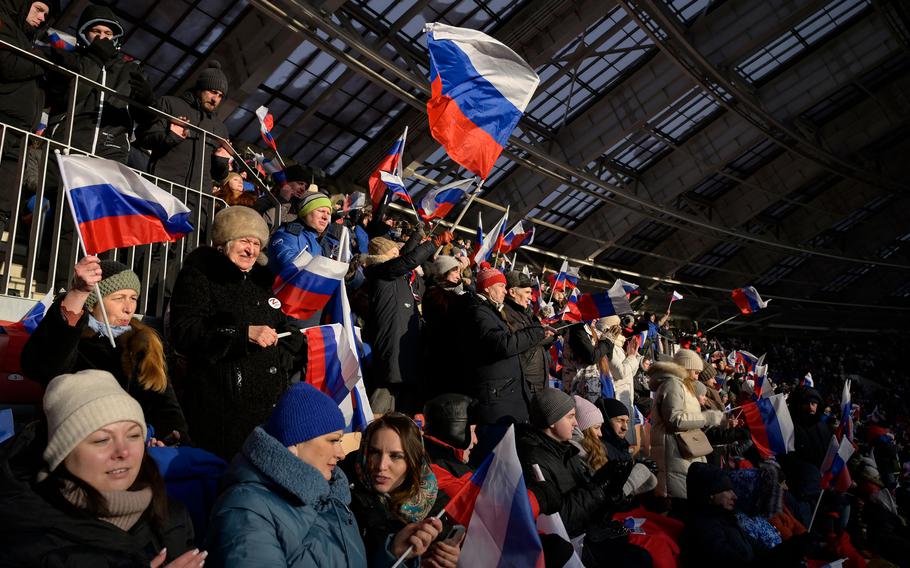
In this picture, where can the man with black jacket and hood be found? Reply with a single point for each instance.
(102, 123)
(178, 153)
(534, 361)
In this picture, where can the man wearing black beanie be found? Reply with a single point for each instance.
(176, 150)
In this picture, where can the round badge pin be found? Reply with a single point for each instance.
(275, 303)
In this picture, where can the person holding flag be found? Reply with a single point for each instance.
(392, 325)
(71, 337)
(535, 361)
(308, 232)
(225, 323)
(811, 433)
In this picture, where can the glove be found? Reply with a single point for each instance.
(648, 463)
(640, 480)
(714, 418)
(140, 89)
(612, 476)
(549, 499)
(443, 238)
(103, 49)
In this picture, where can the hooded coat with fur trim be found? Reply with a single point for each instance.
(277, 510)
(231, 384)
(138, 363)
(675, 410)
(393, 322)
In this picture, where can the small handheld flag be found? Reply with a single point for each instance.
(266, 123)
(675, 297)
(390, 163)
(437, 203)
(770, 425)
(747, 300)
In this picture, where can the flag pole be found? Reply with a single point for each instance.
(402, 558)
(815, 512)
(722, 323)
(107, 322)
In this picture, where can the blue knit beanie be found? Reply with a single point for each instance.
(303, 413)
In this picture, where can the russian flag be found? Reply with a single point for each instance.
(609, 303)
(114, 207)
(642, 337)
(495, 508)
(480, 88)
(845, 428)
(266, 123)
(355, 200)
(14, 334)
(748, 300)
(834, 466)
(396, 185)
(271, 167)
(748, 361)
(568, 275)
(437, 203)
(675, 297)
(61, 40)
(556, 357)
(391, 163)
(770, 425)
(629, 287)
(488, 242)
(306, 285)
(808, 381)
(517, 237)
(42, 124)
(761, 380)
(572, 312)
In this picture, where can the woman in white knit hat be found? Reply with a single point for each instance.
(99, 499)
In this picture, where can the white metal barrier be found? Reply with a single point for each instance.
(39, 249)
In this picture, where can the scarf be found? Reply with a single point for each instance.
(98, 327)
(416, 507)
(124, 507)
(459, 454)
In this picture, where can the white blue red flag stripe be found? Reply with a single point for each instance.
(266, 123)
(495, 508)
(437, 203)
(517, 237)
(612, 302)
(306, 285)
(114, 207)
(61, 40)
(18, 332)
(845, 428)
(355, 200)
(675, 297)
(747, 300)
(480, 88)
(628, 287)
(834, 466)
(390, 163)
(396, 186)
(489, 241)
(770, 425)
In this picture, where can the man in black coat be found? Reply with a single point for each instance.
(178, 154)
(393, 322)
(812, 436)
(493, 375)
(102, 123)
(536, 360)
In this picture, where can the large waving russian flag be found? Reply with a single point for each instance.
(496, 509)
(114, 207)
(390, 163)
(436, 204)
(770, 425)
(612, 302)
(306, 285)
(480, 88)
(747, 300)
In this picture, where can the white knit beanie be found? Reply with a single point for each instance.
(688, 359)
(80, 403)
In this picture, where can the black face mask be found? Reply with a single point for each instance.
(103, 49)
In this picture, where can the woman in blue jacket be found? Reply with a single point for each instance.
(287, 504)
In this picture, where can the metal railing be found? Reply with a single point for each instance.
(50, 265)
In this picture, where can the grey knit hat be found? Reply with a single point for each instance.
(443, 264)
(689, 360)
(114, 276)
(80, 403)
(548, 406)
(212, 78)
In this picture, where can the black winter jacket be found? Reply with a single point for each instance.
(583, 503)
(535, 362)
(38, 527)
(178, 159)
(393, 322)
(56, 348)
(617, 448)
(712, 537)
(21, 99)
(231, 384)
(439, 307)
(493, 376)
